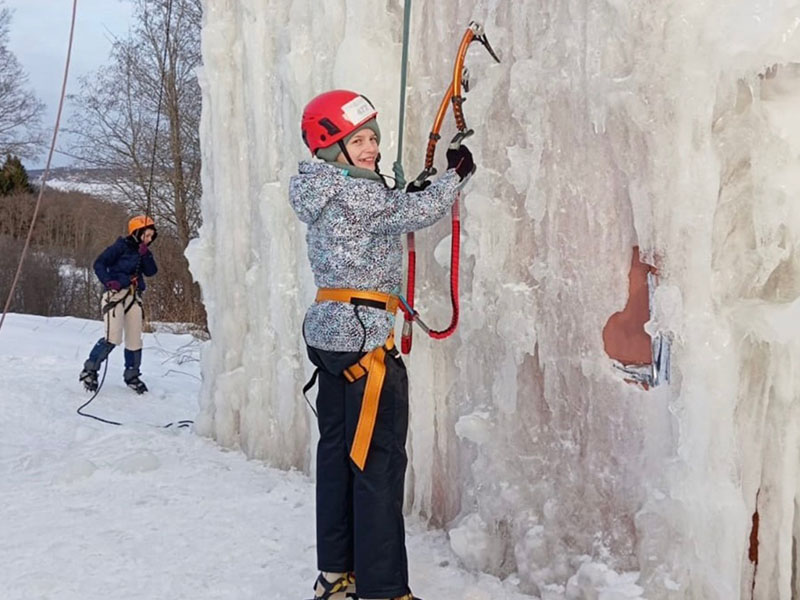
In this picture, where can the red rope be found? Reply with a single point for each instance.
(407, 337)
(455, 255)
(452, 97)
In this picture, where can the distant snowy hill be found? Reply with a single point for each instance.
(96, 182)
(140, 512)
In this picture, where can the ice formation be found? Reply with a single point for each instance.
(674, 126)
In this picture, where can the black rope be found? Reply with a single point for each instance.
(310, 384)
(363, 328)
(107, 319)
(97, 391)
(158, 109)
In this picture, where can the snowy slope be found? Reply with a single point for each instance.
(101, 183)
(93, 511)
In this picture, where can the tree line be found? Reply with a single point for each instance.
(116, 118)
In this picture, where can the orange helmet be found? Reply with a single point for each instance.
(139, 222)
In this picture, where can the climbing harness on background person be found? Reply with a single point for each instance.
(137, 223)
(453, 96)
(123, 300)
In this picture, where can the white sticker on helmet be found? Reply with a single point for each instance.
(357, 110)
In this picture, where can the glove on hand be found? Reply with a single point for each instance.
(143, 249)
(460, 159)
(113, 285)
(413, 187)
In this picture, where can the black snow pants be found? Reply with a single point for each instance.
(360, 513)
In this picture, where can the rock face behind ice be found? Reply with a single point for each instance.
(608, 125)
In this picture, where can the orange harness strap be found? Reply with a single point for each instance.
(387, 302)
(372, 365)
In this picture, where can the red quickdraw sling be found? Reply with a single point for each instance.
(452, 96)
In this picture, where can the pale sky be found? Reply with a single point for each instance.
(39, 35)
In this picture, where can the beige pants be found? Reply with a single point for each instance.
(125, 316)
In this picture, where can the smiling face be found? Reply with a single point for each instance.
(362, 148)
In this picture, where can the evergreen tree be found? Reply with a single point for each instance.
(14, 177)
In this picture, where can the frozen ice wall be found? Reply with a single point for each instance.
(674, 126)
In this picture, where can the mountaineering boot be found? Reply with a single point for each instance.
(335, 586)
(89, 379)
(133, 359)
(132, 381)
(404, 597)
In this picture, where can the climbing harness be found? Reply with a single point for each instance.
(131, 293)
(453, 96)
(372, 365)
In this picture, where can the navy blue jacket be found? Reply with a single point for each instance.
(121, 262)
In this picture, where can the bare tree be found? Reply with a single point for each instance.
(115, 128)
(71, 230)
(20, 109)
(118, 111)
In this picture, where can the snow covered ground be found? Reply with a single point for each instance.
(95, 511)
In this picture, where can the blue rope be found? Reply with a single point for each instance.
(397, 167)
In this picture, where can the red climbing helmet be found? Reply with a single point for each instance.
(332, 116)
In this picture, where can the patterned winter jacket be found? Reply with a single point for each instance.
(354, 241)
(121, 262)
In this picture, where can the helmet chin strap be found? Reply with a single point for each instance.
(346, 153)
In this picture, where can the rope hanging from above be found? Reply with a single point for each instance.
(158, 110)
(47, 166)
(397, 167)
